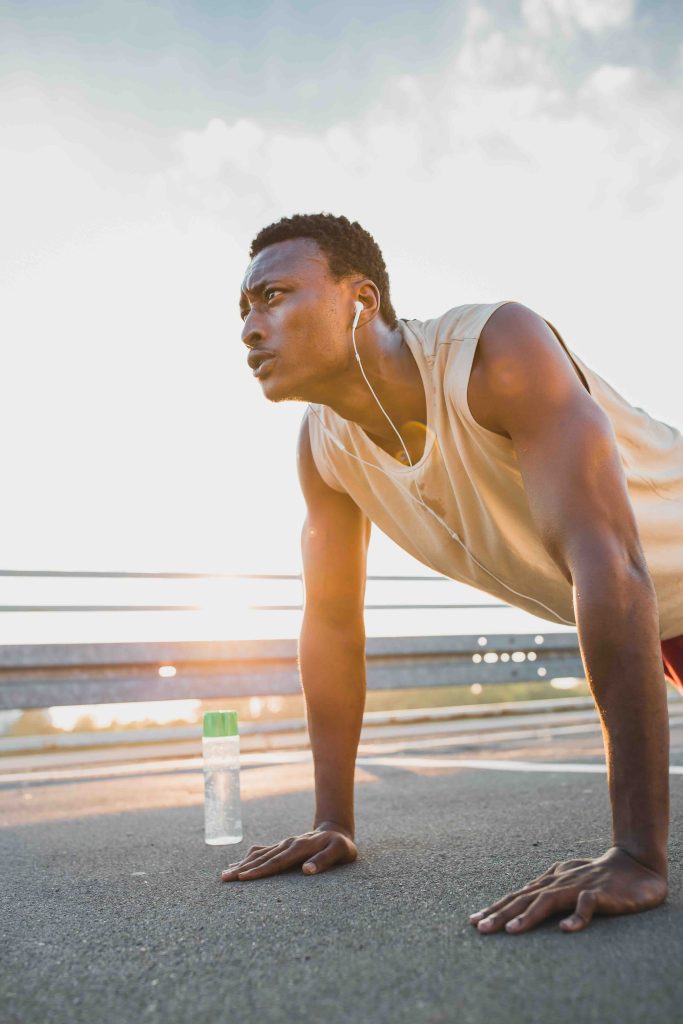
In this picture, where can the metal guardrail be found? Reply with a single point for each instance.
(292, 577)
(47, 675)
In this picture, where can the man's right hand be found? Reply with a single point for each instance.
(318, 850)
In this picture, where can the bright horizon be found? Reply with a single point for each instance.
(529, 151)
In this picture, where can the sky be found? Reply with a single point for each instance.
(528, 151)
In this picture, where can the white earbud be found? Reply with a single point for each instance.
(359, 310)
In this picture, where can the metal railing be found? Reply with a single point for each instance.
(44, 675)
(292, 577)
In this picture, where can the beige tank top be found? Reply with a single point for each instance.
(470, 477)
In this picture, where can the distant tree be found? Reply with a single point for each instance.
(33, 722)
(85, 724)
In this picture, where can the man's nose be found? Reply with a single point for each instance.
(251, 334)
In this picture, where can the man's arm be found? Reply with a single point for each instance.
(578, 498)
(334, 543)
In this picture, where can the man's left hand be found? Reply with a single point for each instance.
(614, 883)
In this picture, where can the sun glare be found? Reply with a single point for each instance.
(102, 716)
(565, 683)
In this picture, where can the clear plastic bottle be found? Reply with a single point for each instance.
(221, 750)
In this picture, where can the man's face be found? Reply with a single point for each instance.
(296, 320)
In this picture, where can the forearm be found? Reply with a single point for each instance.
(618, 625)
(332, 663)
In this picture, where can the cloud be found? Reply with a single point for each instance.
(206, 152)
(546, 16)
(493, 177)
(499, 124)
(512, 179)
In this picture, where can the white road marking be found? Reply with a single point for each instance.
(303, 756)
(375, 750)
(498, 766)
(372, 746)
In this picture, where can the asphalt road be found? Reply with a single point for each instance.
(113, 910)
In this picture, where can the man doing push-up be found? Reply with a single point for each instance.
(496, 457)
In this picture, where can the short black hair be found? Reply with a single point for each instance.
(349, 248)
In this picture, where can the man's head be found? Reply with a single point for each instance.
(297, 301)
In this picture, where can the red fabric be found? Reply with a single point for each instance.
(672, 655)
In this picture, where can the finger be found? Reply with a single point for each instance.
(248, 858)
(558, 868)
(298, 847)
(494, 921)
(298, 843)
(253, 851)
(334, 852)
(271, 866)
(546, 903)
(532, 887)
(577, 862)
(259, 856)
(251, 854)
(263, 852)
(549, 877)
(586, 905)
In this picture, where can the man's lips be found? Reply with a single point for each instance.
(257, 356)
(263, 366)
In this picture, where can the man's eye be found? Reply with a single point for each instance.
(245, 312)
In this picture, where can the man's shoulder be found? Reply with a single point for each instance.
(516, 362)
(457, 323)
(514, 338)
(494, 326)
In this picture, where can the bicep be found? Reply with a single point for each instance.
(334, 542)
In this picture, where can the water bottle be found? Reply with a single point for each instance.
(221, 750)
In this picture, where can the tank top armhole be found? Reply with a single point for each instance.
(317, 450)
(461, 369)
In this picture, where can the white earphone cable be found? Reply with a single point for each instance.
(419, 500)
(359, 310)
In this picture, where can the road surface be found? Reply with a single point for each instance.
(113, 909)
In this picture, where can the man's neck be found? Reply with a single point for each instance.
(395, 377)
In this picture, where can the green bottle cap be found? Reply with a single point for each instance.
(220, 723)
